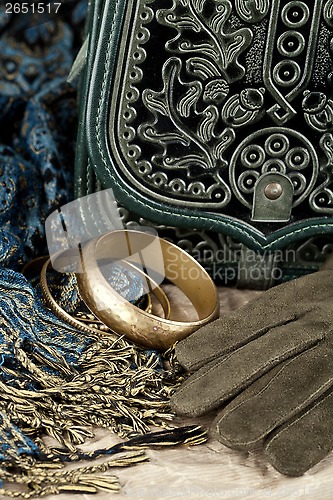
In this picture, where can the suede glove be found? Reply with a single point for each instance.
(268, 368)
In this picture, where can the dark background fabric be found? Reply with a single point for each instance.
(38, 119)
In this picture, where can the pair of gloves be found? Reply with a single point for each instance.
(268, 369)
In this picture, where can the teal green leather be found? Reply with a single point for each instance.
(214, 118)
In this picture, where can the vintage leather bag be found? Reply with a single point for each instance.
(213, 120)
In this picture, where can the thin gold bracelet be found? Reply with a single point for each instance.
(61, 313)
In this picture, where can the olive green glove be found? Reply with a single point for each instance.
(269, 365)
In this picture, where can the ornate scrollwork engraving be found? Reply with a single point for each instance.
(252, 11)
(213, 94)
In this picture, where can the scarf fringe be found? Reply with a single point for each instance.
(41, 479)
(58, 382)
(115, 386)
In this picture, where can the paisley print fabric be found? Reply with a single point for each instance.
(37, 124)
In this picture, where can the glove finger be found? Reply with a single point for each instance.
(304, 441)
(274, 307)
(228, 334)
(275, 398)
(225, 377)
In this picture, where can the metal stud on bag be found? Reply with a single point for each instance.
(212, 120)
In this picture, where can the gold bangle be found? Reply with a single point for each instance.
(79, 324)
(124, 318)
(63, 258)
(34, 266)
(64, 315)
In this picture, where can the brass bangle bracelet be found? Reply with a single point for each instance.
(154, 288)
(34, 266)
(124, 318)
(72, 321)
(61, 313)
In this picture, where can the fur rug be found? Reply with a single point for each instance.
(210, 470)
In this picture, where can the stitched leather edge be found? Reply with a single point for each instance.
(105, 59)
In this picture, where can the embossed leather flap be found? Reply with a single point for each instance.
(213, 114)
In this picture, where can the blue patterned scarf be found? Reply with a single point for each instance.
(56, 381)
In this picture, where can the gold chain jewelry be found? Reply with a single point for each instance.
(123, 317)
